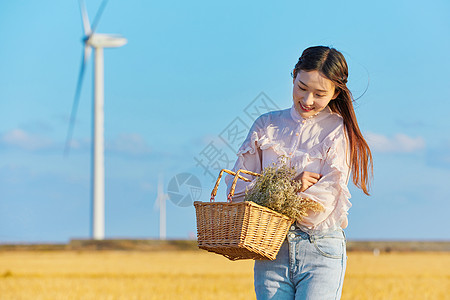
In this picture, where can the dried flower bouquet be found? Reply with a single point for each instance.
(276, 189)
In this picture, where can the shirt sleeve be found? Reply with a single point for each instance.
(331, 190)
(249, 158)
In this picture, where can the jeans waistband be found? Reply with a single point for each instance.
(315, 234)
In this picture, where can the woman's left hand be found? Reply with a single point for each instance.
(307, 179)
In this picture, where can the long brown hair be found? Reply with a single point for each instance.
(331, 64)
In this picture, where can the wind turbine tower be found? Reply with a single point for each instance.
(161, 201)
(98, 42)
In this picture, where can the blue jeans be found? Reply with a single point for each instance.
(307, 267)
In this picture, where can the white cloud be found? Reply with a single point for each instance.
(128, 143)
(400, 143)
(18, 138)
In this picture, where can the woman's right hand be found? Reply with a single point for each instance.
(307, 179)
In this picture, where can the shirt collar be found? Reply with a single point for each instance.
(298, 118)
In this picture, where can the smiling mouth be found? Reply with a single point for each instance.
(306, 109)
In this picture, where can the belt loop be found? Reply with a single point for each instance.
(343, 233)
(310, 237)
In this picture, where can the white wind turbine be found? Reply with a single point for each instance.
(98, 42)
(160, 202)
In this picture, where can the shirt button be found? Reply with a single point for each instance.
(290, 153)
(297, 134)
(292, 227)
(291, 235)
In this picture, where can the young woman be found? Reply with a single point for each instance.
(320, 135)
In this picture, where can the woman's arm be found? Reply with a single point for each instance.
(247, 161)
(330, 187)
(310, 178)
(250, 159)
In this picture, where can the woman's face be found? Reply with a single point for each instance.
(312, 92)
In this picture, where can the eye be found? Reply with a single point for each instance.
(301, 88)
(320, 96)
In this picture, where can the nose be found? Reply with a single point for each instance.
(308, 99)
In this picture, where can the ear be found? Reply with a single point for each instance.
(293, 76)
(336, 93)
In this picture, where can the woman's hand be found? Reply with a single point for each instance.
(307, 179)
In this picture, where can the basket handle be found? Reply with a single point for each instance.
(214, 191)
(233, 185)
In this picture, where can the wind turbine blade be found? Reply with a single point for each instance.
(85, 18)
(84, 58)
(99, 14)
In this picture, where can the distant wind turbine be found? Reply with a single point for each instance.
(98, 42)
(161, 199)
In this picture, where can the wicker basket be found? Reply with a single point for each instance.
(243, 230)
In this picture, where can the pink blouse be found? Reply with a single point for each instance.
(317, 144)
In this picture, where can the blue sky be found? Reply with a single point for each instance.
(190, 71)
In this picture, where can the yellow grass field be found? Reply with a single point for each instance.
(201, 275)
